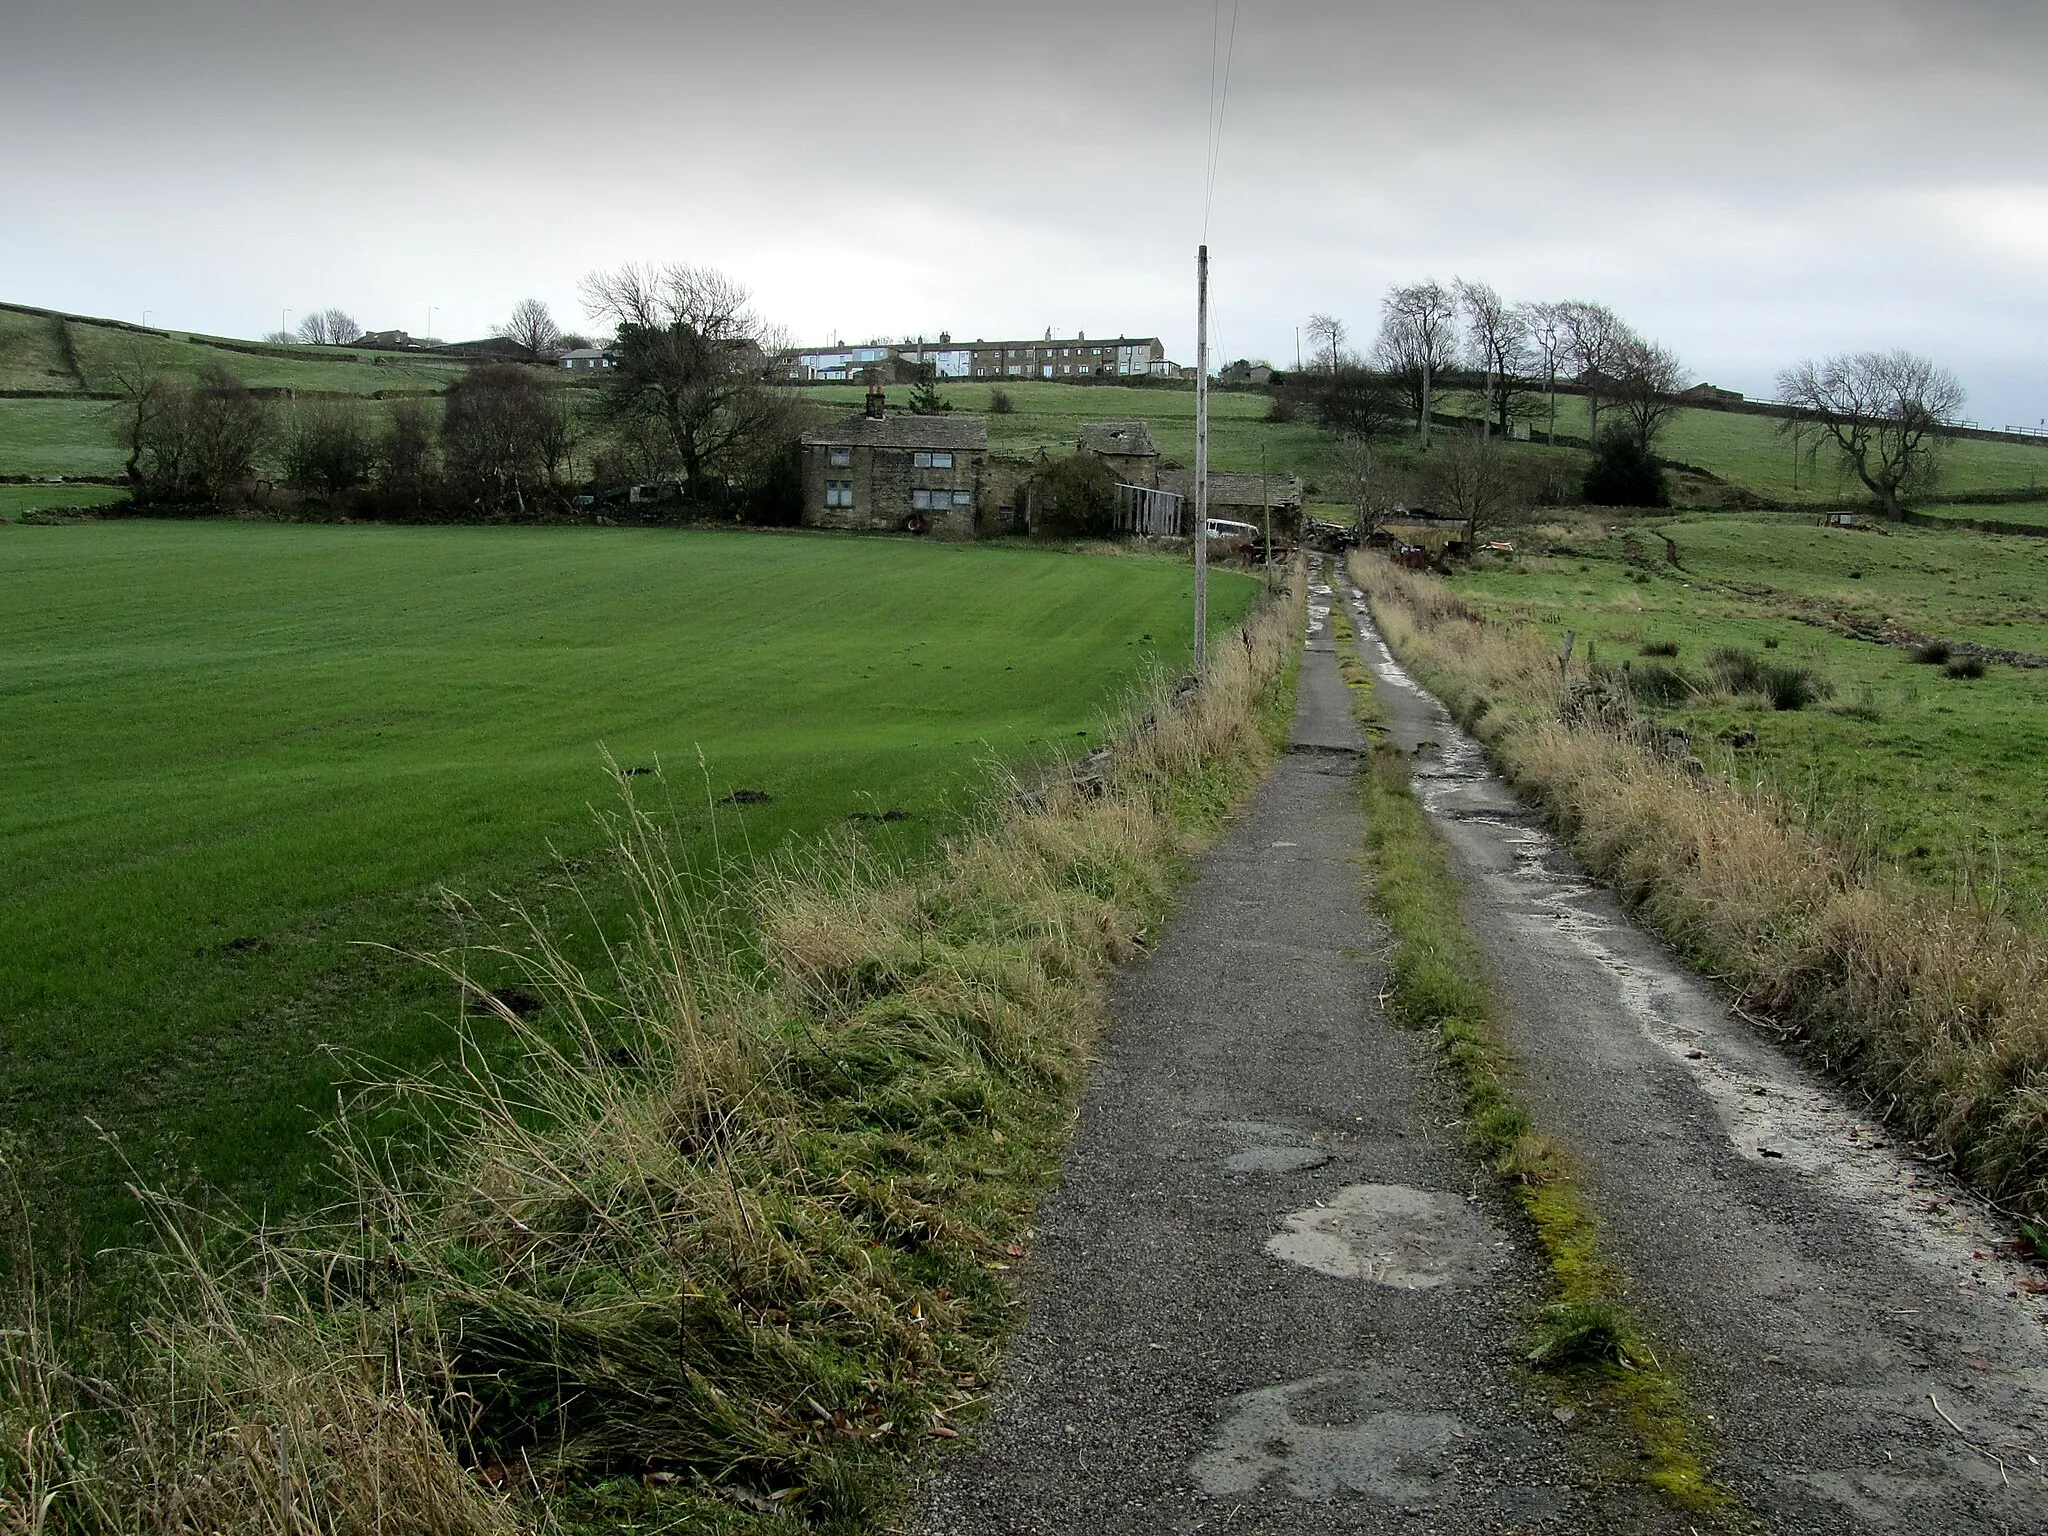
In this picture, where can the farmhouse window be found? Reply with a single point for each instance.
(839, 458)
(934, 460)
(1016, 368)
(838, 493)
(927, 501)
(963, 498)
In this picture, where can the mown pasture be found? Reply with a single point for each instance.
(1937, 775)
(242, 756)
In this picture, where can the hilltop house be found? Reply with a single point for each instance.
(583, 359)
(879, 472)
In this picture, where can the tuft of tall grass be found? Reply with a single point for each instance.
(732, 1225)
(1936, 1007)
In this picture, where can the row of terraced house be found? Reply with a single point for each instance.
(1068, 359)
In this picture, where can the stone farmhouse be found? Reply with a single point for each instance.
(882, 473)
(1067, 359)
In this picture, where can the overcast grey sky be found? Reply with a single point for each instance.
(1748, 181)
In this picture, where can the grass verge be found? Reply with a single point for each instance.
(727, 1245)
(1585, 1340)
(1934, 1005)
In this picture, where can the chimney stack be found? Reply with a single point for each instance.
(876, 401)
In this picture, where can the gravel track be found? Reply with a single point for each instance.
(1273, 1294)
(1856, 1323)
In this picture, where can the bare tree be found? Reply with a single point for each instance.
(1326, 337)
(279, 338)
(532, 327)
(1593, 334)
(505, 434)
(1545, 326)
(1418, 340)
(1474, 479)
(329, 328)
(189, 443)
(1374, 488)
(327, 447)
(144, 392)
(1497, 341)
(696, 367)
(1883, 413)
(405, 455)
(1647, 378)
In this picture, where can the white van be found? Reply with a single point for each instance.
(1227, 528)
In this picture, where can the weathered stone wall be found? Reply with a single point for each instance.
(883, 480)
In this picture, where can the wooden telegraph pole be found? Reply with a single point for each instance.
(1201, 460)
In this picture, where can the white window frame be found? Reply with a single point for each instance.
(839, 458)
(963, 498)
(838, 493)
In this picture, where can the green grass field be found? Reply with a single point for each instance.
(1940, 776)
(17, 499)
(2024, 514)
(239, 753)
(58, 437)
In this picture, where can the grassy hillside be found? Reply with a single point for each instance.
(237, 754)
(1937, 774)
(47, 352)
(1751, 452)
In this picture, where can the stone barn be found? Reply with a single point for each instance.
(1126, 447)
(879, 472)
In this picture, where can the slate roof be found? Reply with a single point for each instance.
(960, 433)
(1230, 489)
(1128, 439)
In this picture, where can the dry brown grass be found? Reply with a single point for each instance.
(1936, 1007)
(732, 1228)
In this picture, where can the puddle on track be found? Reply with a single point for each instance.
(1340, 1432)
(1393, 1235)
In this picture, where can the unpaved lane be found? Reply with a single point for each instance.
(1827, 1290)
(1271, 1295)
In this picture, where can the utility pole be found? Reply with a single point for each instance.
(284, 330)
(1486, 431)
(1266, 506)
(1297, 349)
(1201, 460)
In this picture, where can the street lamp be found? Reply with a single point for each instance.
(284, 330)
